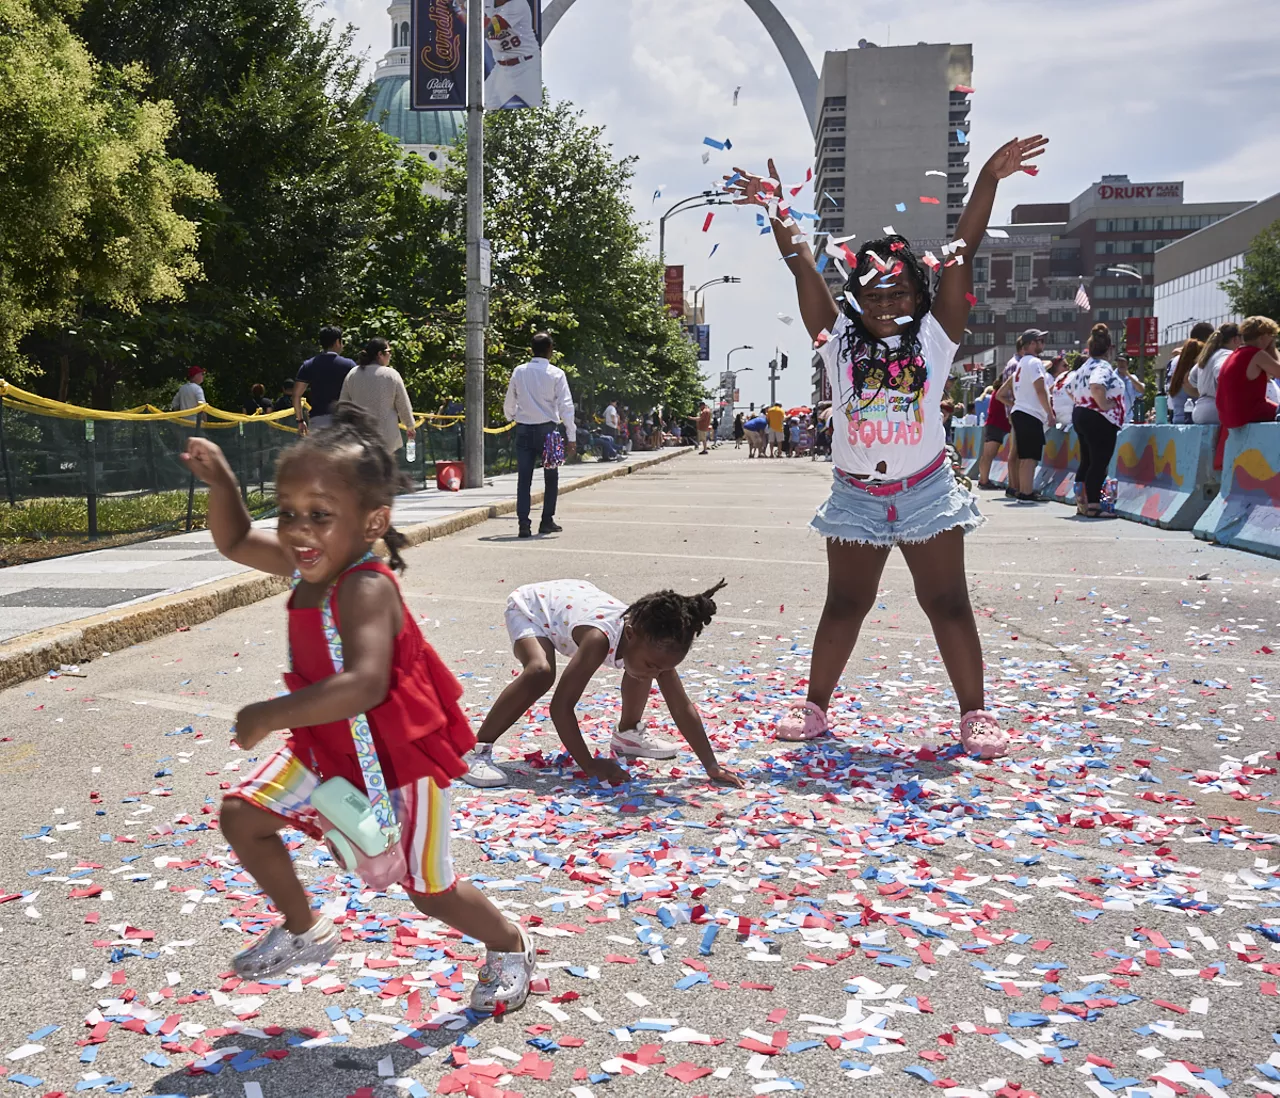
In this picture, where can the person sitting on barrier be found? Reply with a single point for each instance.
(1182, 394)
(1242, 384)
(1099, 395)
(1204, 375)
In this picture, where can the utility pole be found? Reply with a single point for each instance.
(773, 377)
(476, 293)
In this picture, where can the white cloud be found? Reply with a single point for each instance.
(1156, 89)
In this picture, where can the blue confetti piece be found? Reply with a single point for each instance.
(42, 1033)
(713, 143)
(708, 939)
(921, 1073)
(901, 207)
(27, 1080)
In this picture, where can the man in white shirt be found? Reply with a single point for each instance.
(537, 400)
(1031, 413)
(611, 421)
(190, 395)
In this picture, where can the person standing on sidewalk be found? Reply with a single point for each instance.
(323, 375)
(538, 399)
(377, 389)
(1031, 413)
(704, 425)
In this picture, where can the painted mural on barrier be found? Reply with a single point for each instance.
(1251, 516)
(1000, 463)
(1148, 480)
(1056, 474)
(968, 444)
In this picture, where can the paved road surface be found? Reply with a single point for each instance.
(1098, 914)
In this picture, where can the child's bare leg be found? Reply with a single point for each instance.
(254, 835)
(853, 578)
(466, 908)
(538, 675)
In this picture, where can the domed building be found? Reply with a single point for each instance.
(430, 134)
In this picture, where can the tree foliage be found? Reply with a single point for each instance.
(1254, 289)
(89, 196)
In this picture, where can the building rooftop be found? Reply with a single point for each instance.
(391, 113)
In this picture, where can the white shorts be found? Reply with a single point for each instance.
(520, 624)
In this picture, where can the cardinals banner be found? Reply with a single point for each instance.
(513, 54)
(438, 66)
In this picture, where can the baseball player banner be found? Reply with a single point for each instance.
(513, 54)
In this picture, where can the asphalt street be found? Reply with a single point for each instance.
(1098, 913)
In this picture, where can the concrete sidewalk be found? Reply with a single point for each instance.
(72, 608)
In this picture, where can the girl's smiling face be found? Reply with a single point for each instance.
(885, 300)
(644, 660)
(321, 522)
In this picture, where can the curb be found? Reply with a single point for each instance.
(32, 655)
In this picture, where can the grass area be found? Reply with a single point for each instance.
(36, 529)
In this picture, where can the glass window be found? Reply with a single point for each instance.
(1020, 295)
(1022, 268)
(981, 268)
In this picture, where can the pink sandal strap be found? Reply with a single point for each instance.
(804, 721)
(981, 735)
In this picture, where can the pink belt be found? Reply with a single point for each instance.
(893, 487)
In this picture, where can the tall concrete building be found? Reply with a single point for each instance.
(887, 115)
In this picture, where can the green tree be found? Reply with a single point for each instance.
(1254, 289)
(273, 108)
(88, 194)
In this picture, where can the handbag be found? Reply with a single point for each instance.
(360, 830)
(553, 450)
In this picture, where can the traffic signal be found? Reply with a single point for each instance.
(752, 406)
(784, 361)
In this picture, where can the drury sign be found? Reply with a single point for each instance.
(1138, 192)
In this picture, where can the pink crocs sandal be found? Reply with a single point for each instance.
(981, 735)
(804, 721)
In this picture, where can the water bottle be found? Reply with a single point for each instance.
(411, 451)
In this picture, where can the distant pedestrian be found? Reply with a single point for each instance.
(377, 389)
(190, 395)
(996, 427)
(256, 402)
(284, 399)
(1060, 399)
(777, 421)
(1134, 387)
(537, 400)
(611, 421)
(1100, 396)
(756, 430)
(1031, 414)
(323, 376)
(739, 431)
(704, 426)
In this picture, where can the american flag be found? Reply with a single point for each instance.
(1082, 299)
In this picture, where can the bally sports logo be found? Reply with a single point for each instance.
(1138, 192)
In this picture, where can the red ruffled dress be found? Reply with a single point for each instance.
(419, 729)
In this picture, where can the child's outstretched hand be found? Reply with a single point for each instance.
(207, 461)
(722, 775)
(754, 189)
(607, 771)
(1016, 156)
(251, 727)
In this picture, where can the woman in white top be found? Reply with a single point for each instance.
(378, 390)
(889, 344)
(1204, 375)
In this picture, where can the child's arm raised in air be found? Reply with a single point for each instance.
(689, 721)
(951, 303)
(229, 521)
(817, 307)
(591, 653)
(369, 617)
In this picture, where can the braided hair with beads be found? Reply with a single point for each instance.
(873, 364)
(353, 447)
(671, 620)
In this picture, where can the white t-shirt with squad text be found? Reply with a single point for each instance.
(555, 608)
(888, 424)
(1025, 397)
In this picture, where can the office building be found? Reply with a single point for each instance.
(1106, 237)
(1188, 272)
(430, 134)
(887, 115)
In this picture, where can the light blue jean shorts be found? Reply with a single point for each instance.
(908, 517)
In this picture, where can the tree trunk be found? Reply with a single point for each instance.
(104, 384)
(64, 376)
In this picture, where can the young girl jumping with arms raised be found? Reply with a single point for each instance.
(359, 665)
(890, 345)
(647, 640)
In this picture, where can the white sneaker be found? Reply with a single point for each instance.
(505, 977)
(637, 743)
(481, 771)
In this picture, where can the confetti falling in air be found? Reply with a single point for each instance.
(998, 234)
(787, 320)
(962, 137)
(736, 92)
(722, 145)
(929, 201)
(706, 225)
(901, 207)
(714, 248)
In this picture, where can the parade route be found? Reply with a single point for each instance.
(874, 913)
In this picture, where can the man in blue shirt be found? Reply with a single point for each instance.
(324, 376)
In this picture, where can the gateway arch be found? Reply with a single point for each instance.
(803, 74)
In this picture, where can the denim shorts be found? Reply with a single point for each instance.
(913, 515)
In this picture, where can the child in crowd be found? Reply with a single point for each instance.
(358, 663)
(647, 640)
(888, 351)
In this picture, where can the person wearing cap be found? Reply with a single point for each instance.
(190, 395)
(1031, 413)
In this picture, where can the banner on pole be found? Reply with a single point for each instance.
(438, 62)
(1142, 336)
(704, 341)
(673, 294)
(512, 54)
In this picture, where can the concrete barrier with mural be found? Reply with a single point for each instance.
(968, 444)
(1000, 463)
(1246, 512)
(1056, 473)
(1164, 474)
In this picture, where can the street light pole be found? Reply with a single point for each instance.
(723, 280)
(706, 198)
(474, 477)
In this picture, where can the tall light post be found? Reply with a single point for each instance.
(729, 386)
(474, 423)
(705, 198)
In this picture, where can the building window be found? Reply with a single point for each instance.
(835, 144)
(833, 103)
(1022, 268)
(981, 268)
(404, 35)
(980, 292)
(1021, 316)
(832, 164)
(1020, 295)
(836, 183)
(981, 316)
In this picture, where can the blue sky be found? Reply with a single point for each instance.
(1155, 89)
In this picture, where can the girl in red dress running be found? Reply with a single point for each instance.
(355, 650)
